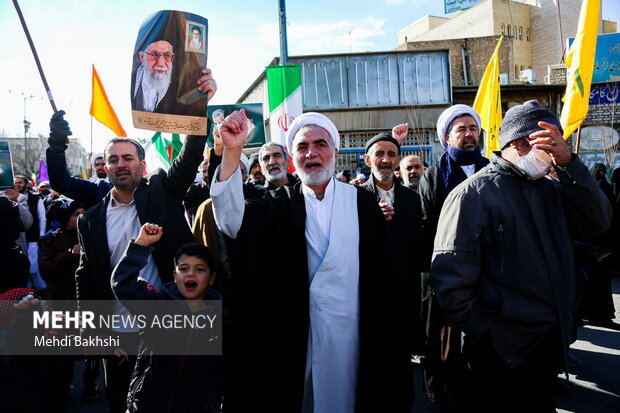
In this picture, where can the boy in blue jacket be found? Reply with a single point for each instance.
(187, 383)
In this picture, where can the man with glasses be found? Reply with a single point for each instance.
(153, 77)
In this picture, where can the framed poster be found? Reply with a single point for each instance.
(254, 112)
(169, 56)
(6, 166)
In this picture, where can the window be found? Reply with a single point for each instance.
(502, 29)
(508, 32)
(527, 34)
(520, 33)
(517, 74)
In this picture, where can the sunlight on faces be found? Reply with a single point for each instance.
(411, 170)
(463, 133)
(273, 163)
(383, 159)
(192, 277)
(100, 168)
(123, 166)
(314, 155)
(20, 185)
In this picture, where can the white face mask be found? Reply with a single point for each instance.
(535, 164)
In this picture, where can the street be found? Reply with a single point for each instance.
(593, 388)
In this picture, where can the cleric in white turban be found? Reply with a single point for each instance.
(314, 283)
(448, 115)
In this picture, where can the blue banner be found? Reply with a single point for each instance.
(607, 58)
(604, 93)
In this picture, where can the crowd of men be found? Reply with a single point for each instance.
(331, 282)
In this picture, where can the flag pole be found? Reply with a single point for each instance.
(36, 56)
(578, 140)
(283, 40)
(91, 145)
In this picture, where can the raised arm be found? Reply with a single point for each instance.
(75, 188)
(183, 170)
(227, 188)
(125, 283)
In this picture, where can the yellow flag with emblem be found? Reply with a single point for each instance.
(488, 102)
(580, 63)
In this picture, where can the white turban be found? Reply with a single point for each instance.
(244, 160)
(448, 115)
(95, 157)
(312, 118)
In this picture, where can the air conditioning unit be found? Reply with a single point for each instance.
(529, 76)
(503, 79)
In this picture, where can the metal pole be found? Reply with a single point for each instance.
(26, 129)
(578, 140)
(283, 42)
(90, 167)
(36, 56)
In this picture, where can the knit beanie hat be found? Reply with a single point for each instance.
(252, 160)
(522, 120)
(61, 210)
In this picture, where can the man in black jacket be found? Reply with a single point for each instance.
(106, 228)
(404, 215)
(458, 129)
(503, 268)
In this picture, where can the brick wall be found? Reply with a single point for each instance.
(603, 115)
(478, 51)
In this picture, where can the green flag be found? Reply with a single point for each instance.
(160, 152)
(285, 100)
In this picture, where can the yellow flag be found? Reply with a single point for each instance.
(84, 177)
(101, 109)
(488, 102)
(580, 63)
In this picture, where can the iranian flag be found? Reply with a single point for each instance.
(285, 102)
(159, 152)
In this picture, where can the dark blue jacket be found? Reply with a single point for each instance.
(177, 383)
(86, 192)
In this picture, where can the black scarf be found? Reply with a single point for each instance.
(450, 173)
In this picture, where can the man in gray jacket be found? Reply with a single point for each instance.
(503, 268)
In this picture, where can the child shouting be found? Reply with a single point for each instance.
(179, 383)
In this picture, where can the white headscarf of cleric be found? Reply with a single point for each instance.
(448, 115)
(95, 157)
(312, 118)
(246, 162)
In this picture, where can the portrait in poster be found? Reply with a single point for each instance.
(195, 37)
(164, 94)
(254, 113)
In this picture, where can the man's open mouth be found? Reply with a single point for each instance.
(312, 166)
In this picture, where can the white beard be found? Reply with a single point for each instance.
(318, 177)
(271, 177)
(154, 87)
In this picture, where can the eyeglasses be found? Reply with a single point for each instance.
(155, 56)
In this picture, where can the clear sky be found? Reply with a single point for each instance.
(71, 35)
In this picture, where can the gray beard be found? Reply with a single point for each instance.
(411, 184)
(275, 177)
(316, 178)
